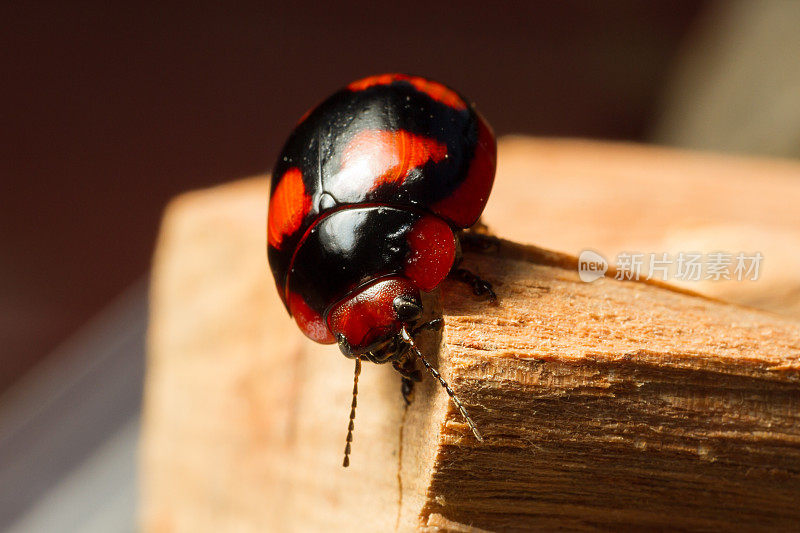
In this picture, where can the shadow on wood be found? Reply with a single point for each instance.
(603, 404)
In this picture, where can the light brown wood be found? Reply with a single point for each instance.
(604, 404)
(570, 195)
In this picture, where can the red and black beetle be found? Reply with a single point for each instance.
(368, 201)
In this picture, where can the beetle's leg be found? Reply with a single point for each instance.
(408, 375)
(406, 365)
(434, 325)
(479, 285)
(406, 389)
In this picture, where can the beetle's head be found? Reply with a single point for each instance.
(370, 319)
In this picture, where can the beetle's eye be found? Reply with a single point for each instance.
(408, 309)
(345, 347)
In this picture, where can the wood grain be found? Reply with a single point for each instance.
(570, 195)
(604, 405)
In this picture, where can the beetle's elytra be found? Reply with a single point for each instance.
(368, 201)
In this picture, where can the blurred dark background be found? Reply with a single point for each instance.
(109, 109)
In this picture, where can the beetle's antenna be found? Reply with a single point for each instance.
(408, 339)
(351, 426)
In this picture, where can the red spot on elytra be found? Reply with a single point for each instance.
(384, 157)
(309, 321)
(287, 207)
(465, 204)
(433, 252)
(435, 90)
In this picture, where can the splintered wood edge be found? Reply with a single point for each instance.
(533, 339)
(552, 266)
(541, 256)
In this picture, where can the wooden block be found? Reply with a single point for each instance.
(570, 195)
(604, 404)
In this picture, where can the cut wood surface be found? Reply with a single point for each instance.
(571, 195)
(603, 405)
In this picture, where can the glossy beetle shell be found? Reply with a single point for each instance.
(361, 183)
